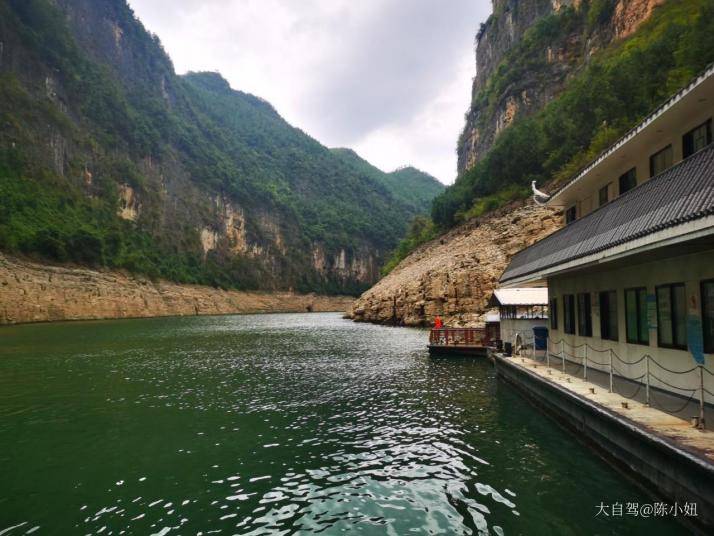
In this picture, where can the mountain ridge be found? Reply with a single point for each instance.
(109, 158)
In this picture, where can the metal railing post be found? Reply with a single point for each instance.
(547, 353)
(562, 354)
(611, 370)
(701, 396)
(647, 385)
(585, 363)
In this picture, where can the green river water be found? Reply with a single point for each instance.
(281, 424)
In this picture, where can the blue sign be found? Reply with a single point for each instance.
(695, 339)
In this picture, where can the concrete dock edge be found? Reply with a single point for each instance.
(666, 469)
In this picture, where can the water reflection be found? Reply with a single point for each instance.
(278, 424)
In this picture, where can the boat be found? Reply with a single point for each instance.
(459, 342)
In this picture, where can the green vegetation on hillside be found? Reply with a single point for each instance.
(64, 157)
(616, 89)
(407, 184)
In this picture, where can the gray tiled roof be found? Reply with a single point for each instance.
(682, 193)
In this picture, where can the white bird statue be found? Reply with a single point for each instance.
(539, 197)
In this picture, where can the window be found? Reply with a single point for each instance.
(570, 214)
(708, 315)
(585, 318)
(569, 314)
(697, 138)
(660, 161)
(507, 311)
(672, 316)
(636, 316)
(628, 180)
(608, 315)
(604, 195)
(553, 312)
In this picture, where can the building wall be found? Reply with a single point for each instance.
(510, 327)
(687, 269)
(641, 160)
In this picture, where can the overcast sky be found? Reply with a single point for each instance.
(389, 78)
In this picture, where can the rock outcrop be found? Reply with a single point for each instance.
(561, 54)
(32, 292)
(454, 275)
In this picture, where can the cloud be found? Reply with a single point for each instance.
(390, 78)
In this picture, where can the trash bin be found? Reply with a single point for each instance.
(507, 349)
(499, 344)
(540, 337)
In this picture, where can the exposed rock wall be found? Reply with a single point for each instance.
(533, 89)
(32, 292)
(454, 276)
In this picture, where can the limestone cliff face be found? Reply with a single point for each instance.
(204, 175)
(495, 108)
(31, 292)
(454, 275)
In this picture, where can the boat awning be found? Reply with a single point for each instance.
(677, 203)
(519, 296)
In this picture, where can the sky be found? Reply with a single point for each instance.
(390, 79)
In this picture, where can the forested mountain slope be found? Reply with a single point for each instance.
(556, 82)
(109, 158)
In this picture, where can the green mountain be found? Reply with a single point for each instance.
(108, 158)
(558, 82)
(408, 184)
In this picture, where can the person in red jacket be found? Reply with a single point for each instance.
(437, 322)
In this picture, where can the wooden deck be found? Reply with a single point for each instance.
(459, 342)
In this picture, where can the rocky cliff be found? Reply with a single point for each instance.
(454, 275)
(108, 158)
(499, 99)
(32, 292)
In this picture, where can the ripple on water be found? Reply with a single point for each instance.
(273, 424)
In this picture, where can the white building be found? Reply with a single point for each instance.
(520, 310)
(632, 271)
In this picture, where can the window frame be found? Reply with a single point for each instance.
(640, 340)
(605, 320)
(658, 153)
(584, 314)
(569, 319)
(688, 151)
(632, 172)
(605, 189)
(675, 325)
(708, 343)
(571, 214)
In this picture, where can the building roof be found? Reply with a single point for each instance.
(520, 296)
(683, 193)
(700, 83)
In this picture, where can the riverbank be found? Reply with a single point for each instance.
(31, 292)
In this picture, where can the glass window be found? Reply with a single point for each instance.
(672, 316)
(585, 320)
(697, 138)
(569, 314)
(636, 316)
(603, 195)
(660, 161)
(570, 215)
(628, 180)
(708, 315)
(553, 313)
(608, 315)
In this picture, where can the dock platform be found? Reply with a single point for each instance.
(467, 342)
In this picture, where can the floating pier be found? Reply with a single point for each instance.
(459, 342)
